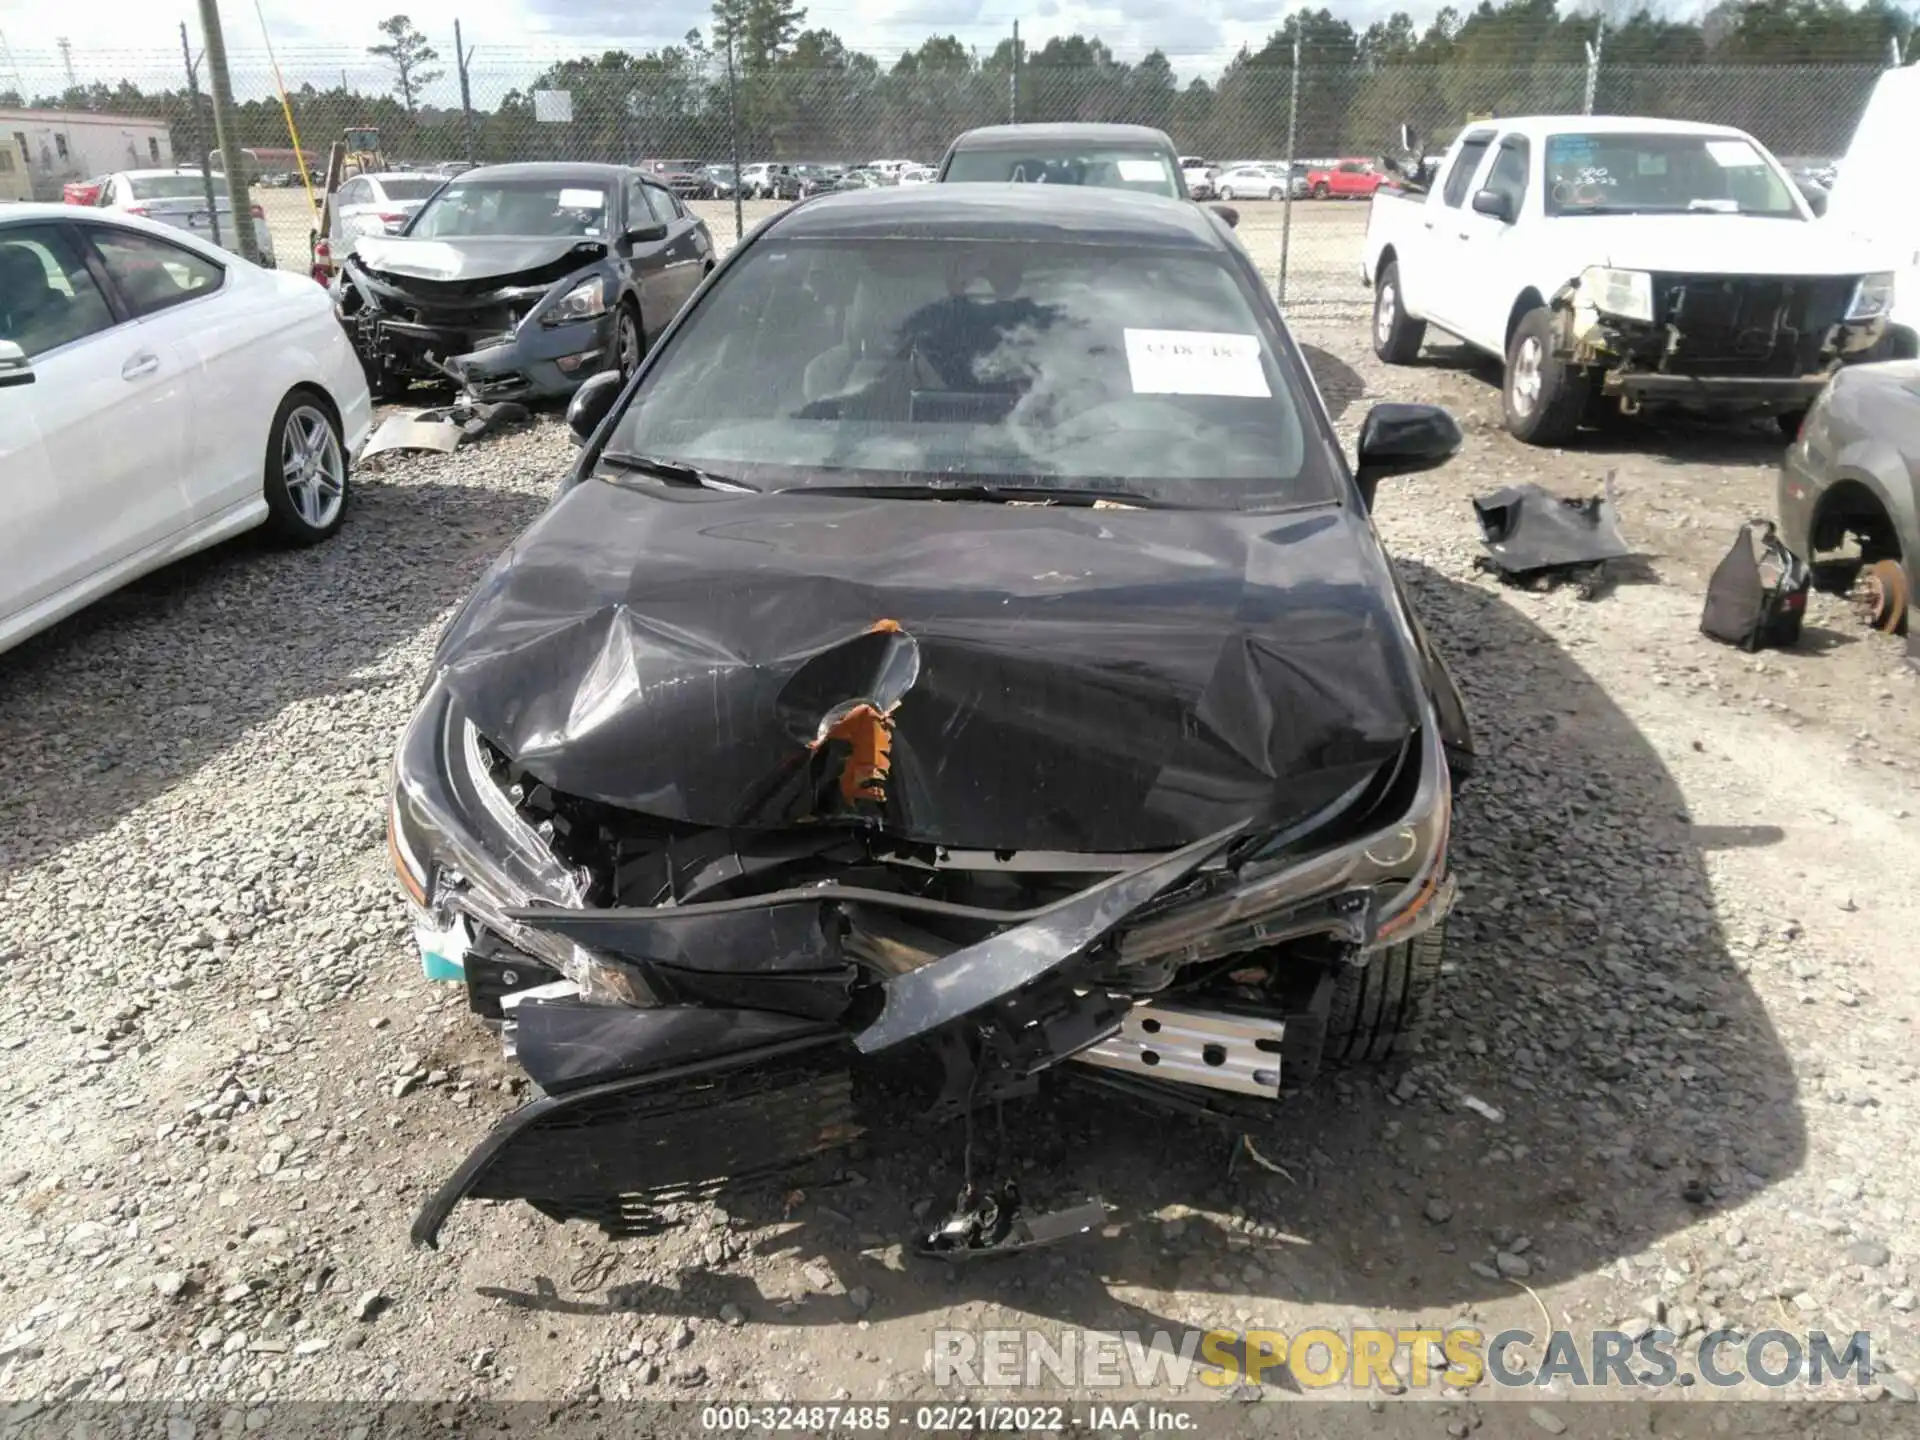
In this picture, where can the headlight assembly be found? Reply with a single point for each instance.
(1872, 297)
(1625, 293)
(583, 302)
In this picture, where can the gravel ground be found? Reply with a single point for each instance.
(1672, 1076)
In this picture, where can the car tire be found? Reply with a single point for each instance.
(1396, 335)
(629, 340)
(1321, 191)
(1885, 595)
(307, 483)
(1380, 1006)
(1274, 193)
(1226, 192)
(1543, 398)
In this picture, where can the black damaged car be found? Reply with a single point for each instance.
(522, 280)
(960, 661)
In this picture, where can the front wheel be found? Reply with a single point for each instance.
(1396, 335)
(306, 471)
(1543, 396)
(1379, 1007)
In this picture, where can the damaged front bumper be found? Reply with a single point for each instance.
(682, 1046)
(496, 343)
(1717, 341)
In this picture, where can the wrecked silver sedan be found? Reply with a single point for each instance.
(520, 281)
(961, 659)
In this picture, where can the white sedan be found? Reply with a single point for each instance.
(378, 204)
(179, 197)
(157, 395)
(1251, 182)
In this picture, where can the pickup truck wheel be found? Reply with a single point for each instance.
(1396, 337)
(1544, 398)
(1379, 1007)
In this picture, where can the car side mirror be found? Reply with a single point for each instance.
(1496, 203)
(647, 234)
(593, 400)
(1408, 139)
(1398, 439)
(15, 368)
(1228, 214)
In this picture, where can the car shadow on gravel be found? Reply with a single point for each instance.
(1340, 384)
(134, 694)
(1599, 1074)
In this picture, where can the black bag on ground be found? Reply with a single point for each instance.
(1757, 597)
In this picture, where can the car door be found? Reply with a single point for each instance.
(646, 260)
(183, 303)
(1445, 236)
(1489, 247)
(91, 452)
(349, 204)
(688, 250)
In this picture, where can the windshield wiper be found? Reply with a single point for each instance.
(998, 494)
(675, 472)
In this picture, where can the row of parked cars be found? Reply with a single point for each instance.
(781, 180)
(1348, 179)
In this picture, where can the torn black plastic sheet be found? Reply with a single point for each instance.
(1050, 678)
(1529, 532)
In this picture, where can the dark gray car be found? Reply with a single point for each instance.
(523, 279)
(1849, 502)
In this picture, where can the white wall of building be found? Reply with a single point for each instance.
(51, 147)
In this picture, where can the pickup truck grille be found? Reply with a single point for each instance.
(1760, 325)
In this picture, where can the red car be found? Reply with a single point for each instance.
(83, 192)
(1345, 180)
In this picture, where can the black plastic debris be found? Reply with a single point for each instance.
(1757, 597)
(986, 1222)
(1536, 538)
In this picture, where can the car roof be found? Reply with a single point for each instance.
(549, 170)
(1081, 213)
(1539, 125)
(1013, 137)
(402, 175)
(27, 212)
(156, 174)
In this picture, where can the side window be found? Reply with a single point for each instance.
(47, 297)
(1464, 164)
(154, 274)
(354, 192)
(662, 203)
(1509, 173)
(638, 211)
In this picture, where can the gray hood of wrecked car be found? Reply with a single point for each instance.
(472, 257)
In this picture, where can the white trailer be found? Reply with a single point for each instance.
(47, 148)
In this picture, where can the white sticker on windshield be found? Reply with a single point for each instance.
(1195, 362)
(1731, 153)
(583, 199)
(1141, 172)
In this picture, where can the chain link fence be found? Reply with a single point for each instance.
(682, 104)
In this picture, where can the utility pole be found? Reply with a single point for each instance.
(1593, 63)
(461, 57)
(1013, 80)
(199, 133)
(66, 60)
(220, 85)
(1286, 201)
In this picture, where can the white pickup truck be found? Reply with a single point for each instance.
(1613, 260)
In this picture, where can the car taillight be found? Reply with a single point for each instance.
(394, 219)
(258, 213)
(138, 210)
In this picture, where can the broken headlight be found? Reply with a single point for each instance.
(1872, 297)
(583, 302)
(459, 847)
(1375, 890)
(1625, 293)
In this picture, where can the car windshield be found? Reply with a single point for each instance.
(408, 187)
(483, 207)
(170, 187)
(1047, 366)
(1663, 173)
(1144, 170)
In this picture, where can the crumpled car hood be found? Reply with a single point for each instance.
(480, 258)
(1051, 678)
